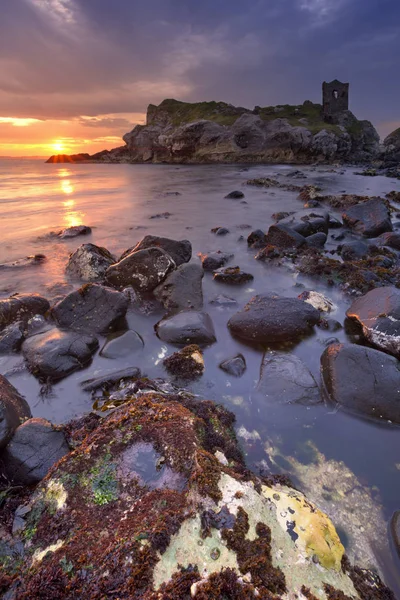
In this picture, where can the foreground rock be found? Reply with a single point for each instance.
(187, 327)
(21, 307)
(214, 260)
(378, 313)
(182, 289)
(13, 411)
(174, 521)
(286, 379)
(370, 218)
(89, 263)
(269, 319)
(179, 250)
(55, 354)
(362, 380)
(143, 270)
(188, 363)
(35, 447)
(93, 308)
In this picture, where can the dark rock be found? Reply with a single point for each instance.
(179, 250)
(362, 380)
(370, 218)
(334, 223)
(187, 363)
(121, 344)
(268, 319)
(182, 289)
(14, 409)
(214, 260)
(307, 222)
(89, 262)
(71, 232)
(285, 379)
(329, 341)
(281, 215)
(235, 366)
(378, 313)
(395, 530)
(35, 447)
(144, 269)
(317, 240)
(21, 306)
(93, 308)
(232, 275)
(283, 237)
(164, 215)
(220, 230)
(22, 263)
(390, 239)
(354, 250)
(296, 175)
(187, 327)
(11, 338)
(112, 379)
(55, 354)
(222, 301)
(257, 239)
(235, 195)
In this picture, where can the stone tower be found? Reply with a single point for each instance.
(335, 97)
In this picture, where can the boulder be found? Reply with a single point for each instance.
(257, 239)
(182, 289)
(143, 270)
(391, 239)
(370, 218)
(11, 338)
(34, 448)
(283, 237)
(267, 319)
(89, 262)
(362, 380)
(187, 363)
(122, 344)
(235, 366)
(179, 250)
(187, 327)
(235, 195)
(378, 313)
(354, 250)
(93, 308)
(232, 275)
(214, 260)
(13, 410)
(55, 354)
(21, 306)
(307, 222)
(317, 240)
(285, 379)
(75, 231)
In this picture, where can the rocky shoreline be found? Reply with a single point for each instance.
(156, 476)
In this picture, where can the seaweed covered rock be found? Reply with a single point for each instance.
(14, 409)
(269, 319)
(143, 270)
(187, 363)
(21, 307)
(179, 250)
(169, 519)
(378, 314)
(362, 380)
(182, 289)
(93, 308)
(89, 262)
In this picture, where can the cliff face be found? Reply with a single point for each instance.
(391, 145)
(216, 132)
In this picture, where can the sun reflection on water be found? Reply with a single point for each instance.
(72, 217)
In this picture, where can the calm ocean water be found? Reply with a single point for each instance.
(118, 201)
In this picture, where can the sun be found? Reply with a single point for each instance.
(58, 146)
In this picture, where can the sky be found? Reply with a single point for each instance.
(75, 75)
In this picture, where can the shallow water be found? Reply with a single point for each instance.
(117, 201)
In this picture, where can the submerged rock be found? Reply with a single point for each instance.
(22, 263)
(221, 300)
(286, 379)
(235, 366)
(220, 230)
(182, 289)
(214, 260)
(55, 354)
(179, 250)
(232, 275)
(370, 218)
(235, 195)
(362, 380)
(34, 448)
(21, 307)
(93, 308)
(378, 313)
(186, 327)
(269, 319)
(121, 344)
(72, 232)
(143, 270)
(89, 262)
(187, 363)
(14, 409)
